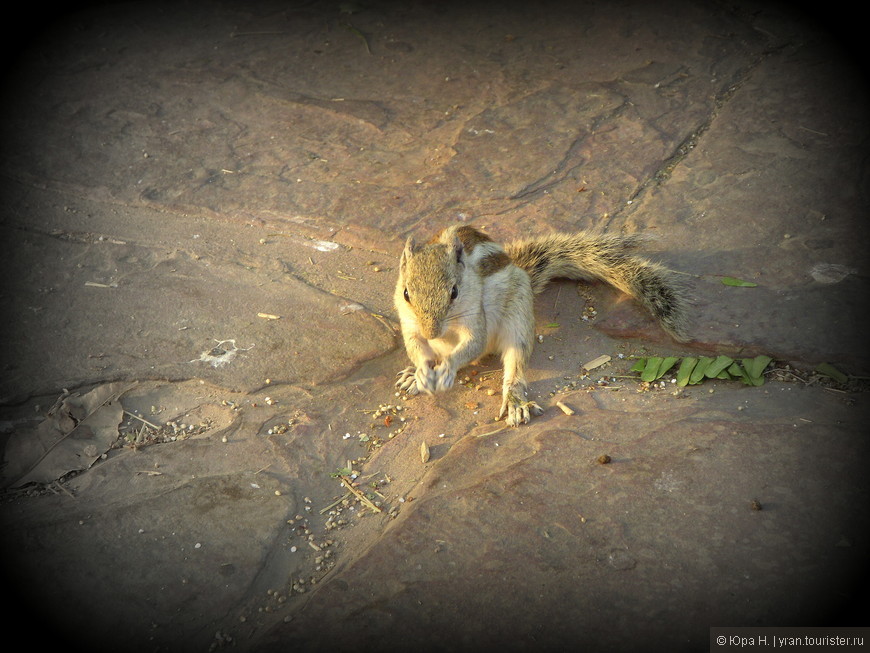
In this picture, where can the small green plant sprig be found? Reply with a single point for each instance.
(693, 370)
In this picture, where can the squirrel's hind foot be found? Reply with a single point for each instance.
(516, 411)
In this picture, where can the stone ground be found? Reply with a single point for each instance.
(205, 204)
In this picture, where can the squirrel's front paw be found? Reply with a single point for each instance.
(445, 375)
(426, 378)
(414, 379)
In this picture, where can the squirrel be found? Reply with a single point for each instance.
(462, 296)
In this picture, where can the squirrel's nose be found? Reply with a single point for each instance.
(430, 329)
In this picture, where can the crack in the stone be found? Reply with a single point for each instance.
(668, 165)
(554, 178)
(570, 161)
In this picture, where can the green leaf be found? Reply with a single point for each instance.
(755, 366)
(829, 370)
(700, 369)
(651, 369)
(686, 367)
(756, 380)
(737, 371)
(738, 283)
(666, 365)
(751, 370)
(639, 365)
(718, 366)
(552, 325)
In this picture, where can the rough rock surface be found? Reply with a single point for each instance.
(208, 201)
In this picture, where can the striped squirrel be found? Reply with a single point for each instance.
(462, 296)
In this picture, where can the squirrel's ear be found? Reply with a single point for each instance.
(409, 248)
(457, 248)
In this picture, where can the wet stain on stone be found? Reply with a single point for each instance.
(621, 560)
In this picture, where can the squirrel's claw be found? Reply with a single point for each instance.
(406, 381)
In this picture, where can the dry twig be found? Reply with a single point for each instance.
(358, 494)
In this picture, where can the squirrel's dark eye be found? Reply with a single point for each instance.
(454, 293)
(407, 298)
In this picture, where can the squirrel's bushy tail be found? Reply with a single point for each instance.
(605, 257)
